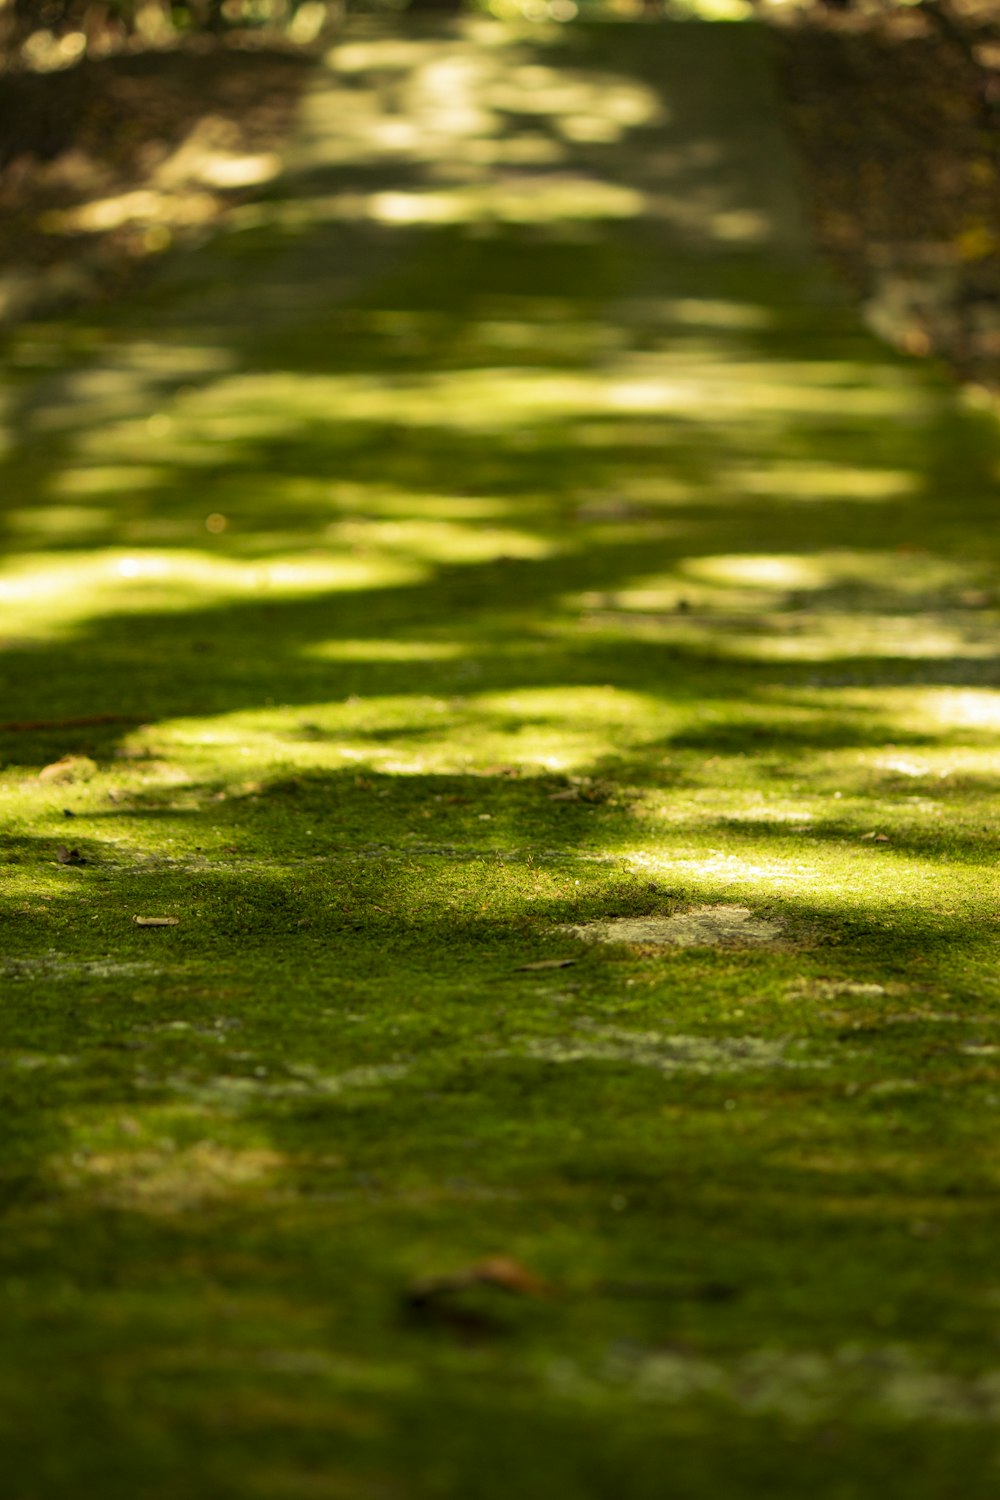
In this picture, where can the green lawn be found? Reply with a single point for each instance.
(503, 525)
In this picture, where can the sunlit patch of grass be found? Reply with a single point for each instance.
(42, 598)
(825, 481)
(377, 650)
(412, 734)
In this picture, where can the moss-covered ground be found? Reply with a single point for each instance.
(503, 525)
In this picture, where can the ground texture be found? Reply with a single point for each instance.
(500, 712)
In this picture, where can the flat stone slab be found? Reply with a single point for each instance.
(723, 926)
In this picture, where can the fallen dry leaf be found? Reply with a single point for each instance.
(16, 726)
(570, 795)
(451, 1301)
(497, 1270)
(878, 838)
(504, 1271)
(156, 921)
(69, 856)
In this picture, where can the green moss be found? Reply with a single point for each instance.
(378, 616)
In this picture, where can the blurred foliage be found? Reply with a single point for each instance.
(54, 34)
(49, 35)
(898, 126)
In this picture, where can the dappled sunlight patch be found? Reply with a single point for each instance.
(563, 729)
(386, 650)
(542, 339)
(44, 596)
(975, 709)
(717, 867)
(545, 201)
(724, 314)
(942, 723)
(432, 540)
(953, 729)
(688, 832)
(879, 573)
(792, 637)
(37, 883)
(700, 214)
(574, 704)
(471, 98)
(276, 404)
(491, 127)
(768, 573)
(712, 391)
(817, 606)
(908, 766)
(786, 480)
(140, 206)
(108, 479)
(759, 809)
(813, 580)
(383, 501)
(854, 879)
(835, 637)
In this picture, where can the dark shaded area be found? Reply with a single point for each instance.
(897, 117)
(112, 126)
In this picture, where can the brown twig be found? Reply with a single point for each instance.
(85, 721)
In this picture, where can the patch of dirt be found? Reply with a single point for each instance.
(723, 926)
(897, 120)
(166, 1180)
(109, 163)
